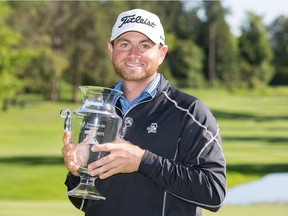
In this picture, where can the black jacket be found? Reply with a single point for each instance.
(183, 168)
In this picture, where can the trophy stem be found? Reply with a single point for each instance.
(86, 189)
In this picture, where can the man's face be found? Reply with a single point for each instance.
(135, 57)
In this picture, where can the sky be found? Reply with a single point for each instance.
(268, 9)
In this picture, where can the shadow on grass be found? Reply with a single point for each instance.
(242, 116)
(32, 160)
(278, 140)
(258, 169)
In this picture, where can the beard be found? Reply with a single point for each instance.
(134, 73)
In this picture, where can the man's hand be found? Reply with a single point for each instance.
(68, 152)
(124, 157)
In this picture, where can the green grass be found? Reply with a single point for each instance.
(30, 157)
(253, 125)
(255, 210)
(48, 208)
(36, 208)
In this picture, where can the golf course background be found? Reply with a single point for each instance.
(254, 128)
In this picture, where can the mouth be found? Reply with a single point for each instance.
(134, 64)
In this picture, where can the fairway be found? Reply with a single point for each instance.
(253, 125)
(48, 208)
(254, 129)
(61, 208)
(36, 208)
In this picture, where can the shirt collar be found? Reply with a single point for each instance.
(150, 88)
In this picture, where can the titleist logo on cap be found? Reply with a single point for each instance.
(138, 19)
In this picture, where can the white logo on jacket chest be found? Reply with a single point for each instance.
(152, 128)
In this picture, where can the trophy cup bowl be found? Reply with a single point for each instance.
(94, 123)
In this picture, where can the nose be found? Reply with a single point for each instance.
(134, 51)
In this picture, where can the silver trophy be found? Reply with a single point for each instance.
(94, 123)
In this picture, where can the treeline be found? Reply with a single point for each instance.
(44, 44)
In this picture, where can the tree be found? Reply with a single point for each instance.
(84, 28)
(12, 59)
(35, 21)
(279, 40)
(186, 63)
(184, 57)
(219, 45)
(227, 56)
(255, 51)
(73, 23)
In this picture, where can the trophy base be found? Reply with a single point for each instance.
(86, 191)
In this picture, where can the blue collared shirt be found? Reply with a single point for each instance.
(147, 93)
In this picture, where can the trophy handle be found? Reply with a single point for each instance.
(127, 122)
(66, 115)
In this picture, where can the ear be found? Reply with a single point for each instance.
(162, 53)
(110, 49)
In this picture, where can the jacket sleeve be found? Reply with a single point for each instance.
(71, 182)
(197, 173)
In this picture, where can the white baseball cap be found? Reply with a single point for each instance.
(141, 21)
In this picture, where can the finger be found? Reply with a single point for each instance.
(102, 148)
(99, 166)
(108, 174)
(96, 165)
(66, 137)
(118, 140)
(72, 168)
(69, 157)
(107, 170)
(67, 150)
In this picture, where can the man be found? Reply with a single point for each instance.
(171, 161)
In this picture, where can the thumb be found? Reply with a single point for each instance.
(66, 138)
